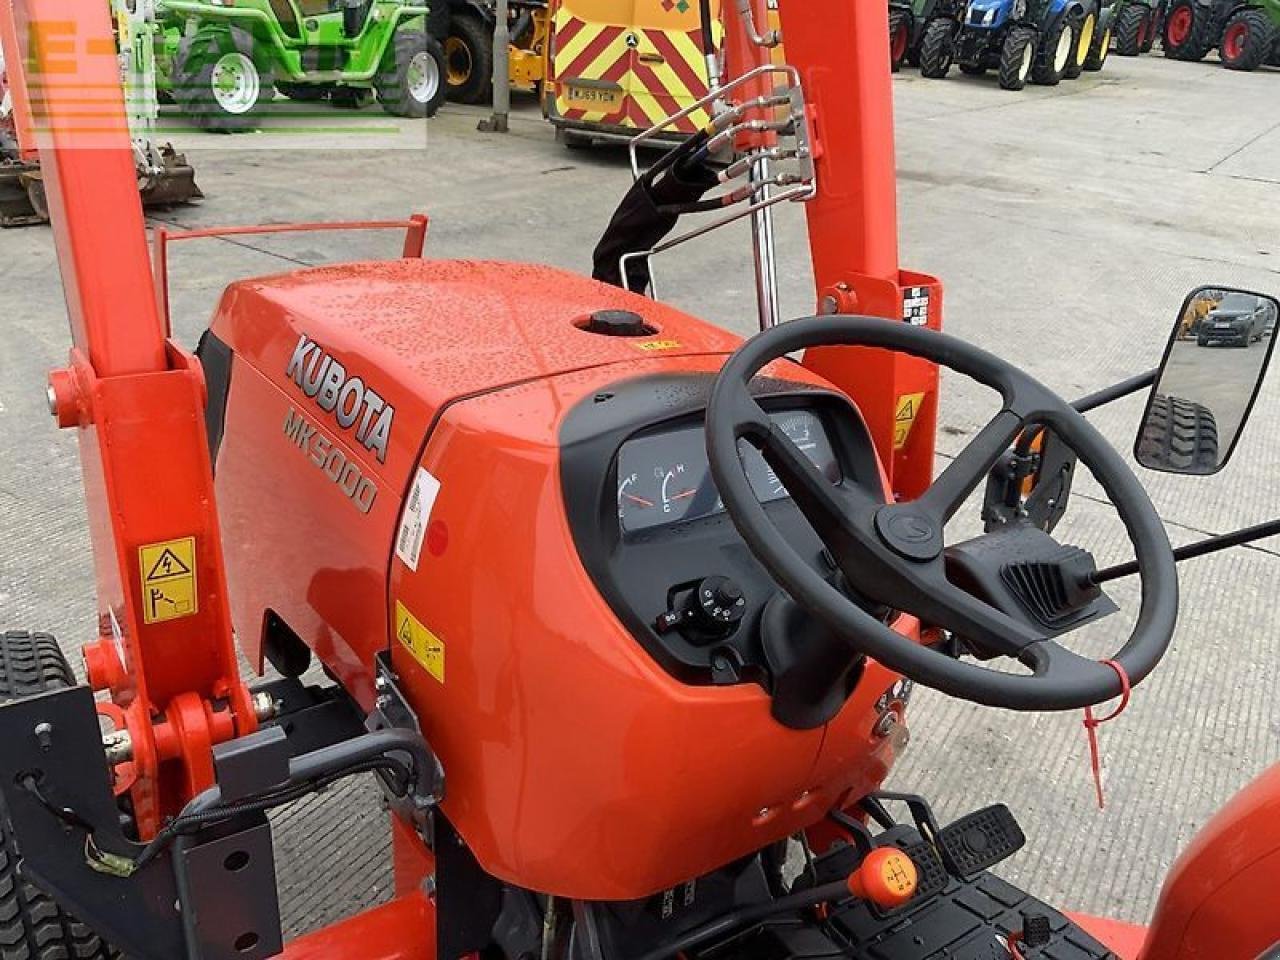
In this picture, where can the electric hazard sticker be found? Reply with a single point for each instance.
(168, 574)
(904, 417)
(425, 646)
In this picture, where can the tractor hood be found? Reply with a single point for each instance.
(988, 14)
(379, 349)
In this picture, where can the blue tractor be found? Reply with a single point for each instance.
(1045, 41)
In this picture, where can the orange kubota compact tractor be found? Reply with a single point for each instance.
(616, 605)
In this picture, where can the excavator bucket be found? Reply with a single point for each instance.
(173, 183)
(22, 198)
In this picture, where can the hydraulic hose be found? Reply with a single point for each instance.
(708, 33)
(743, 916)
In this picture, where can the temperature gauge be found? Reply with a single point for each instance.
(676, 489)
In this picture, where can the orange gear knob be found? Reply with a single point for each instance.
(887, 877)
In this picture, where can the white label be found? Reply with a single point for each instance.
(117, 635)
(915, 305)
(413, 521)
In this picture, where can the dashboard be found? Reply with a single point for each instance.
(653, 534)
(664, 478)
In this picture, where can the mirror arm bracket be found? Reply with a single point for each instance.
(1200, 548)
(1116, 391)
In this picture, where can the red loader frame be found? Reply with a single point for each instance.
(164, 649)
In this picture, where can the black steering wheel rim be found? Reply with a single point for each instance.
(907, 539)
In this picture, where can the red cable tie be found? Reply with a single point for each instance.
(1012, 942)
(1091, 724)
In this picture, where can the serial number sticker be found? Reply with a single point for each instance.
(413, 522)
(654, 345)
(422, 644)
(593, 98)
(168, 574)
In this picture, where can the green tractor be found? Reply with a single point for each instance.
(910, 20)
(1136, 24)
(1246, 32)
(227, 58)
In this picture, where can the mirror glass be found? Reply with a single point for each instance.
(1217, 355)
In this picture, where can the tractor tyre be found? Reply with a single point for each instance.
(1017, 58)
(1086, 31)
(32, 925)
(899, 37)
(410, 80)
(1057, 48)
(937, 48)
(219, 83)
(468, 60)
(304, 92)
(1155, 23)
(1179, 436)
(1130, 30)
(1247, 40)
(1188, 31)
(1101, 49)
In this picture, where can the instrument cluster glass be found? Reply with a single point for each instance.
(664, 478)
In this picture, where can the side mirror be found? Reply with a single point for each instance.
(1217, 356)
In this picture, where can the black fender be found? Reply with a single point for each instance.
(913, 23)
(474, 7)
(229, 36)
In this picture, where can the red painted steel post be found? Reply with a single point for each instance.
(841, 48)
(16, 83)
(165, 648)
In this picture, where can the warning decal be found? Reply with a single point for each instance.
(904, 417)
(915, 306)
(426, 647)
(168, 574)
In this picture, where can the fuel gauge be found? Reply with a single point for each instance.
(631, 501)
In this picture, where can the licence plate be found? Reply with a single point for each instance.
(604, 99)
(1222, 325)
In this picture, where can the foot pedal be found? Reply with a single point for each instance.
(980, 840)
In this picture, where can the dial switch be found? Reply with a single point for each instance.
(709, 612)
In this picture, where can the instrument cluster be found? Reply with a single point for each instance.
(664, 478)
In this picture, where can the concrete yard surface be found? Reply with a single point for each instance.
(1066, 224)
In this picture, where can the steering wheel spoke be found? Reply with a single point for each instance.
(751, 422)
(827, 506)
(988, 630)
(970, 467)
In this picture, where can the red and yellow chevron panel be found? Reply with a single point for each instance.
(628, 64)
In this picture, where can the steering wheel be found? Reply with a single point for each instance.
(892, 553)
